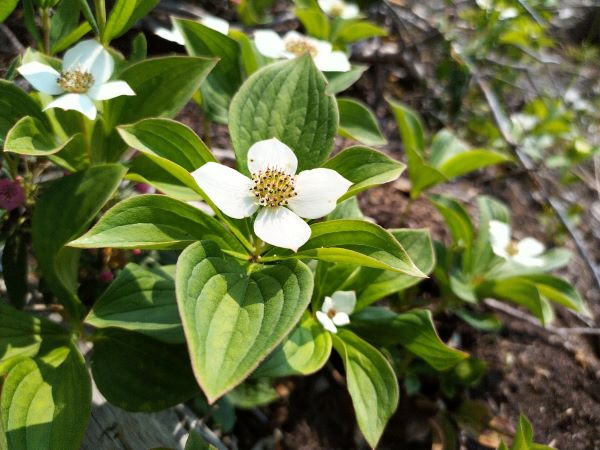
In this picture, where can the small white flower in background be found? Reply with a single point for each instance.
(212, 22)
(339, 8)
(526, 252)
(336, 310)
(86, 69)
(294, 44)
(280, 196)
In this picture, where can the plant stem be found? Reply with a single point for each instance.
(100, 9)
(46, 29)
(86, 137)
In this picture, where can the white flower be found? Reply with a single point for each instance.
(336, 310)
(339, 8)
(86, 69)
(212, 22)
(294, 44)
(280, 196)
(526, 252)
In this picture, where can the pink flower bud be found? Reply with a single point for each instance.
(144, 188)
(12, 194)
(106, 276)
(136, 252)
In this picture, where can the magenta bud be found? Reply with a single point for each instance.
(12, 194)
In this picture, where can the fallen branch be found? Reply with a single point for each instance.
(521, 315)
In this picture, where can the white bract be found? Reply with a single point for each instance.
(280, 196)
(336, 310)
(86, 69)
(526, 252)
(339, 8)
(294, 44)
(214, 23)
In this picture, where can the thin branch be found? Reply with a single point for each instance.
(14, 41)
(199, 426)
(518, 314)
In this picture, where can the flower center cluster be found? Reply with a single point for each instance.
(76, 81)
(337, 9)
(512, 249)
(300, 46)
(331, 313)
(273, 187)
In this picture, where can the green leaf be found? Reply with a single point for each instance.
(63, 211)
(285, 100)
(233, 320)
(138, 373)
(315, 22)
(46, 402)
(303, 352)
(357, 30)
(155, 222)
(252, 59)
(365, 167)
(15, 104)
(356, 242)
(168, 140)
(140, 300)
(358, 122)
(252, 394)
(489, 209)
(6, 8)
(487, 322)
(373, 284)
(452, 157)
(225, 79)
(15, 267)
(142, 169)
(346, 209)
(371, 382)
(171, 151)
(413, 330)
(457, 219)
(554, 289)
(162, 86)
(520, 291)
(65, 29)
(340, 81)
(124, 15)
(421, 174)
(23, 334)
(89, 16)
(410, 126)
(31, 137)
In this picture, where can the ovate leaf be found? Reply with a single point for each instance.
(140, 300)
(15, 104)
(225, 79)
(162, 86)
(124, 15)
(138, 373)
(31, 137)
(285, 100)
(358, 122)
(414, 330)
(46, 402)
(303, 352)
(63, 211)
(356, 242)
(22, 334)
(155, 222)
(371, 382)
(232, 320)
(365, 167)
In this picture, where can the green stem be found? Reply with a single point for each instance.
(86, 137)
(100, 8)
(46, 29)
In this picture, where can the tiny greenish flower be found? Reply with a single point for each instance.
(86, 69)
(294, 44)
(281, 197)
(339, 8)
(335, 311)
(526, 252)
